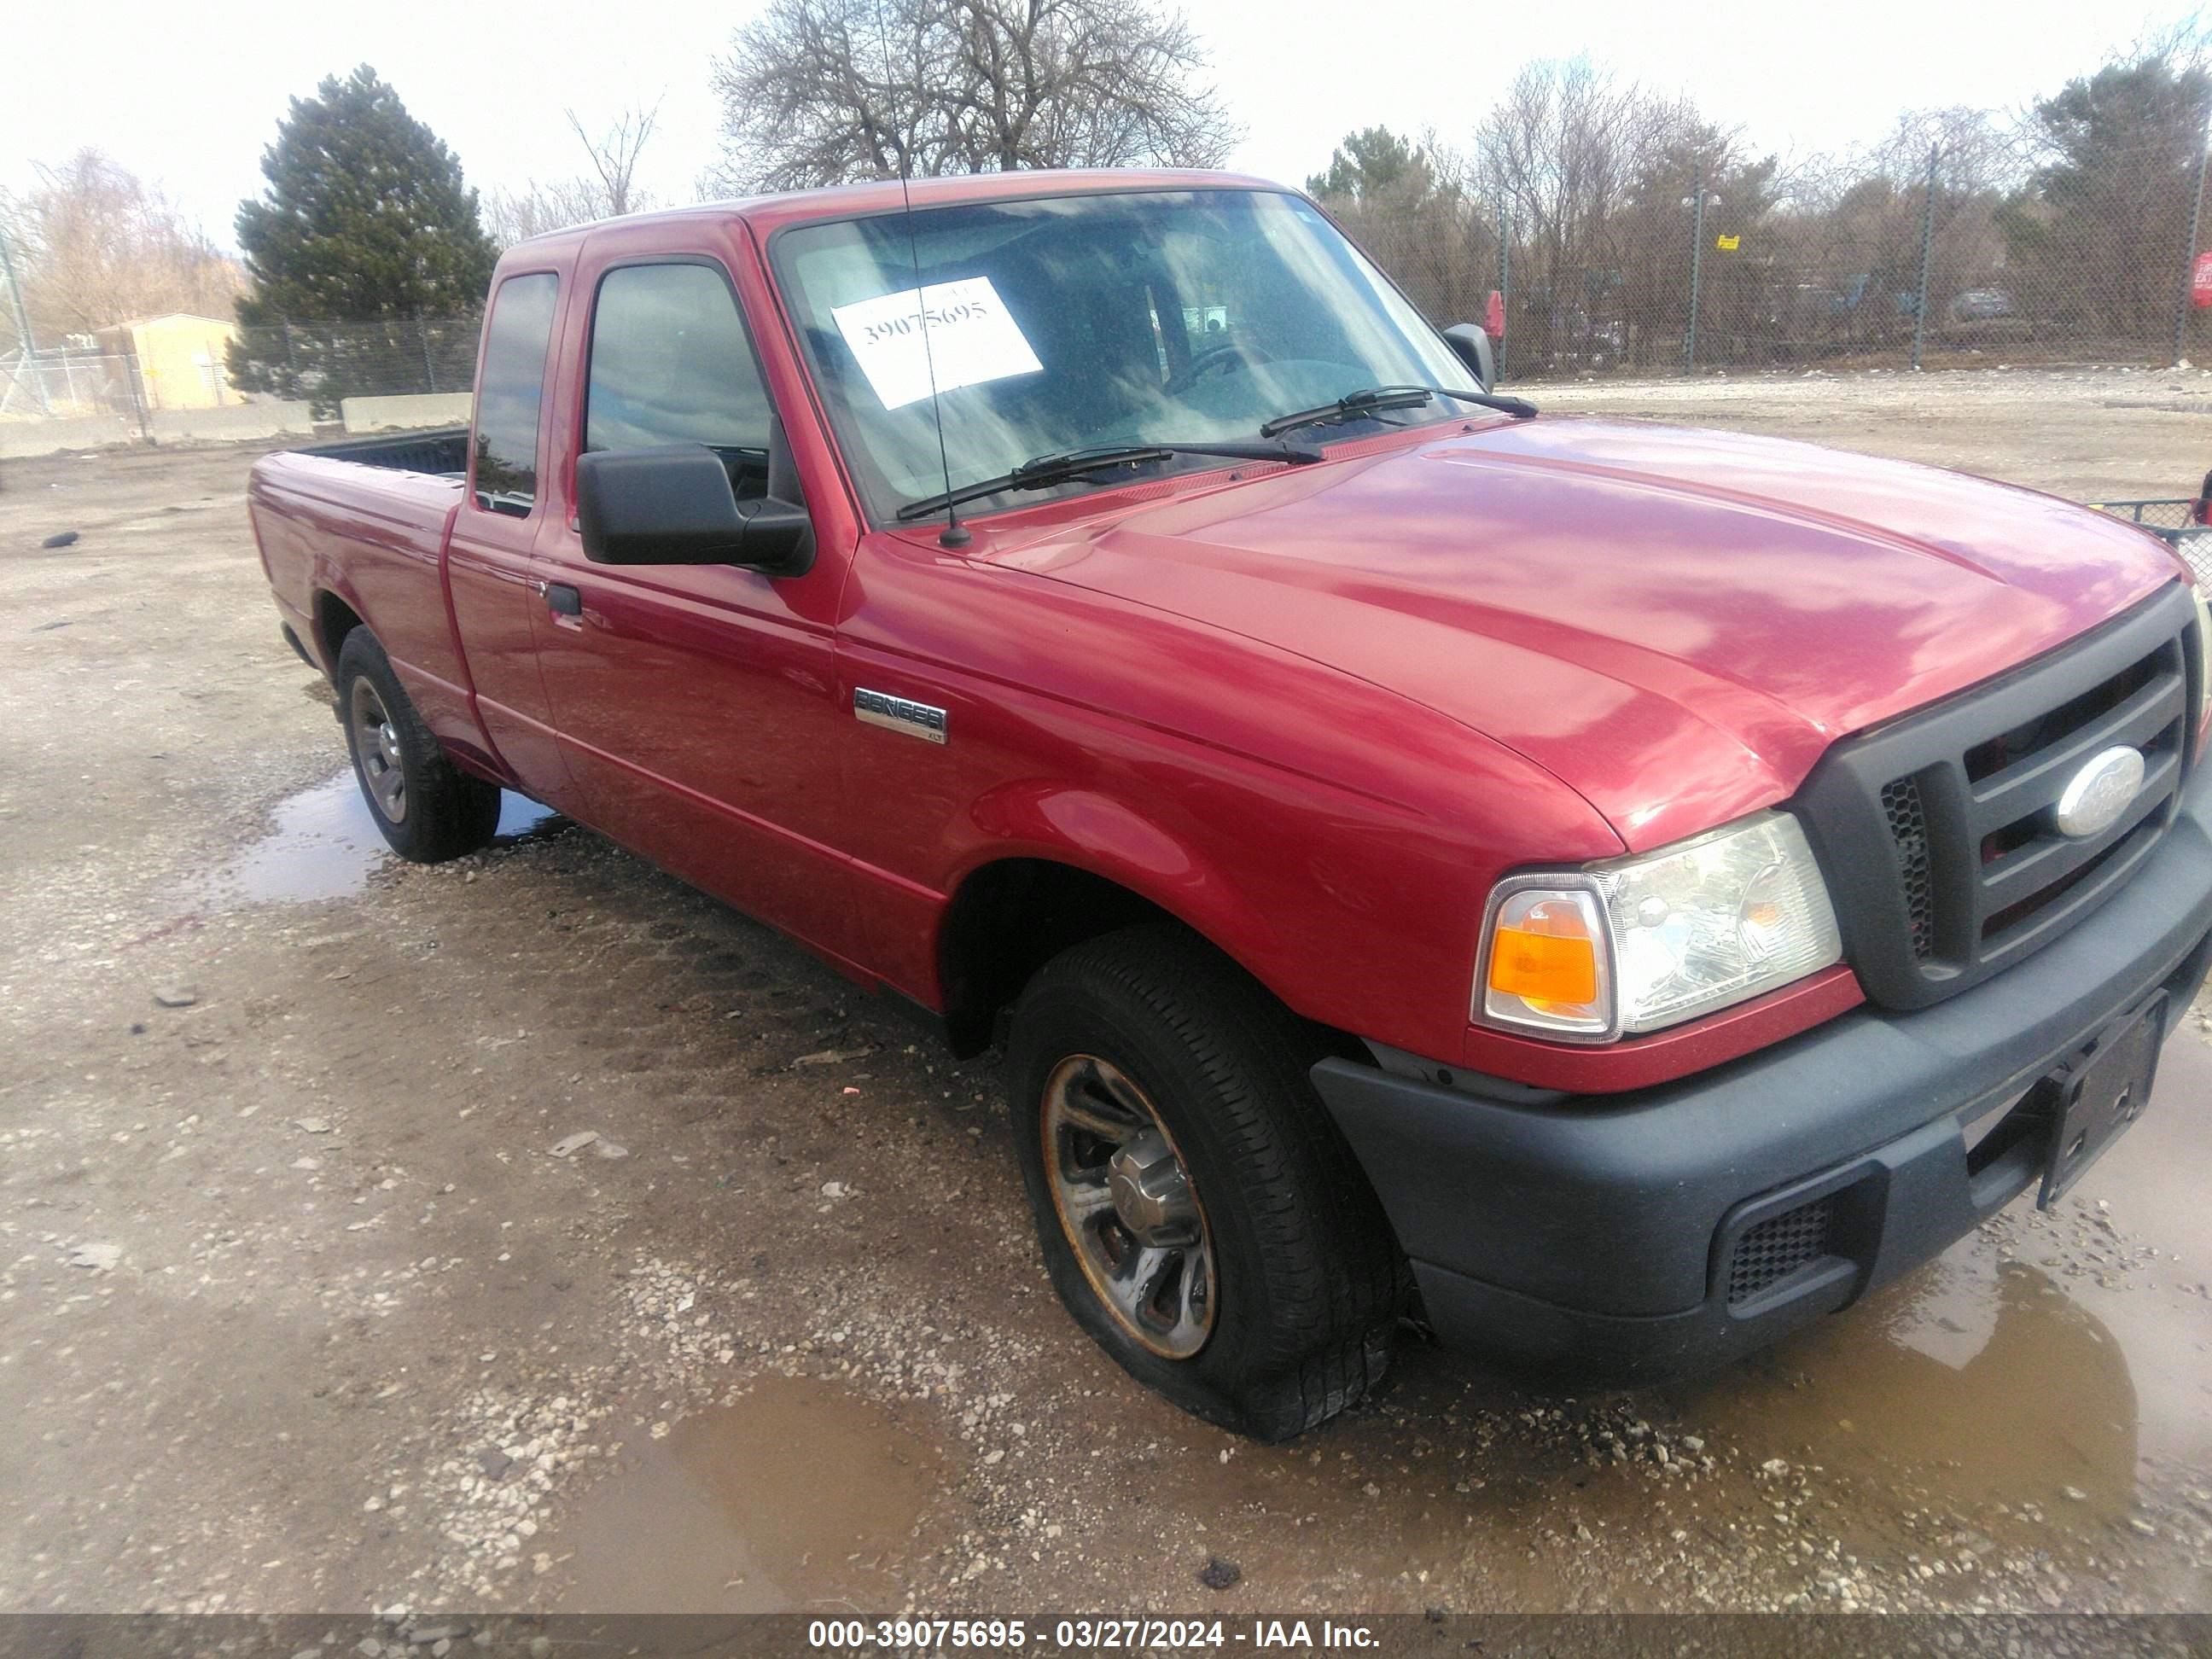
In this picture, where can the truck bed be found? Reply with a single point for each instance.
(442, 452)
(359, 529)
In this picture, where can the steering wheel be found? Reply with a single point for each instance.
(1221, 359)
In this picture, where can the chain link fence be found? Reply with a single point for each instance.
(283, 378)
(67, 384)
(1951, 263)
(326, 364)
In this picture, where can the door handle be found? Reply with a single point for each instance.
(564, 600)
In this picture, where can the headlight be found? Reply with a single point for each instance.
(2204, 653)
(1635, 944)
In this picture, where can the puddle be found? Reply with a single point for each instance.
(326, 843)
(798, 1497)
(1998, 1381)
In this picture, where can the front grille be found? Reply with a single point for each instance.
(1937, 833)
(1779, 1246)
(1908, 828)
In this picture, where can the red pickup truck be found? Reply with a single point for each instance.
(1608, 894)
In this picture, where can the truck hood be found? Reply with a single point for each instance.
(1675, 623)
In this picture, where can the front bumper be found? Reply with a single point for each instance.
(1608, 1234)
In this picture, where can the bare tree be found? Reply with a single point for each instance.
(615, 155)
(608, 191)
(97, 244)
(817, 92)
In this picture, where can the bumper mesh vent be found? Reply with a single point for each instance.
(1908, 827)
(1778, 1247)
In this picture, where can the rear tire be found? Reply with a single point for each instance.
(428, 808)
(1281, 1310)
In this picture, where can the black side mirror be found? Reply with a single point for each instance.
(673, 505)
(1474, 347)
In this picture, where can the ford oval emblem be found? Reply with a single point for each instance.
(2095, 796)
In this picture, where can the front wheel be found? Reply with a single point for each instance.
(428, 808)
(1200, 1216)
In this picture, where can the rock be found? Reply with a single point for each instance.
(177, 996)
(569, 1146)
(2076, 1493)
(832, 1056)
(539, 1647)
(60, 538)
(605, 1148)
(836, 1189)
(494, 1464)
(1218, 1574)
(310, 1163)
(311, 1125)
(98, 1257)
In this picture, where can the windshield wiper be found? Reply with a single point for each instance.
(1046, 470)
(1392, 397)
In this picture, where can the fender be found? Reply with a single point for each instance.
(1060, 822)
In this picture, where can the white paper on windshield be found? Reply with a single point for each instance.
(971, 338)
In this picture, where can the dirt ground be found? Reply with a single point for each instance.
(300, 1311)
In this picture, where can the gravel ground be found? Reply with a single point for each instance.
(310, 1300)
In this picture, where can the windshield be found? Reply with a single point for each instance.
(1070, 322)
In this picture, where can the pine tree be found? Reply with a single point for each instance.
(366, 223)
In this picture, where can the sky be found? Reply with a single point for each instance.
(189, 96)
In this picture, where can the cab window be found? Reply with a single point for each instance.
(510, 392)
(671, 364)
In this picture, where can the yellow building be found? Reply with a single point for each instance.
(180, 359)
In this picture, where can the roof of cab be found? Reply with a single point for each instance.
(769, 214)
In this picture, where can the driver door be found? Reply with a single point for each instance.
(696, 704)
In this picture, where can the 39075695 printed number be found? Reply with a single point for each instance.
(897, 327)
(1084, 1635)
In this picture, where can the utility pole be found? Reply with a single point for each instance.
(1504, 272)
(1927, 255)
(23, 319)
(2189, 264)
(1697, 270)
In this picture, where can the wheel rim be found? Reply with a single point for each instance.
(376, 749)
(1128, 1205)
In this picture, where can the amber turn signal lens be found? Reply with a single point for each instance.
(1543, 967)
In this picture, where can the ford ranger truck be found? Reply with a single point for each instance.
(1607, 893)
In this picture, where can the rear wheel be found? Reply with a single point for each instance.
(1200, 1217)
(428, 808)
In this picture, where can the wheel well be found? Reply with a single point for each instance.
(334, 620)
(1006, 921)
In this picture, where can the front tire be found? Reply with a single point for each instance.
(1200, 1216)
(427, 809)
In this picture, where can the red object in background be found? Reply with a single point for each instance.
(1493, 311)
(2200, 281)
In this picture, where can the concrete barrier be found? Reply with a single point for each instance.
(406, 414)
(239, 421)
(19, 439)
